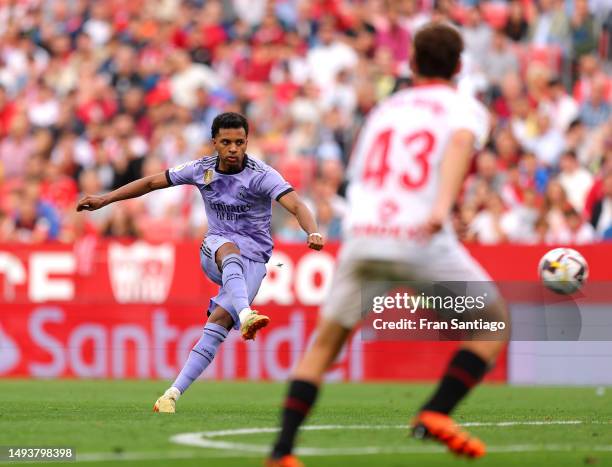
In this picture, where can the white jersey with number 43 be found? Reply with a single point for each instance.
(394, 172)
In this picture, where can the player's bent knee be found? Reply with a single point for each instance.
(225, 250)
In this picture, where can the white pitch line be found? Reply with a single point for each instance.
(528, 423)
(204, 440)
(251, 431)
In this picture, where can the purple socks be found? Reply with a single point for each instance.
(204, 351)
(201, 355)
(233, 281)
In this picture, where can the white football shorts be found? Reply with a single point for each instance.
(365, 261)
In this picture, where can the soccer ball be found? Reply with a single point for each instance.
(563, 270)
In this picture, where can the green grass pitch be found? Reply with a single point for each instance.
(111, 423)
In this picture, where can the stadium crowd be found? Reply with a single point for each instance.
(94, 94)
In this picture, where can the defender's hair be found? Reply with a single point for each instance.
(229, 120)
(437, 50)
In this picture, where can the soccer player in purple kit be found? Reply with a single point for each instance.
(237, 193)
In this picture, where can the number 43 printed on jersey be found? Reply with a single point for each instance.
(417, 146)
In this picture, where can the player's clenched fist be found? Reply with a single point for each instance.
(315, 241)
(91, 203)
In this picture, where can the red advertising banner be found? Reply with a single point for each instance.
(134, 310)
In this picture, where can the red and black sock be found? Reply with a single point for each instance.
(464, 371)
(299, 400)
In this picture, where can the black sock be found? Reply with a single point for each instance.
(464, 371)
(299, 400)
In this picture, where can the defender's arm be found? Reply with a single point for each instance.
(131, 190)
(294, 204)
(455, 164)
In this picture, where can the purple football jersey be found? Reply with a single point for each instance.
(238, 205)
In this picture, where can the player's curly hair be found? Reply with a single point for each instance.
(229, 120)
(437, 50)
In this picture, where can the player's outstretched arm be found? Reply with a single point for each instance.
(131, 190)
(455, 163)
(294, 204)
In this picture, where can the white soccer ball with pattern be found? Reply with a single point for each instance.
(563, 270)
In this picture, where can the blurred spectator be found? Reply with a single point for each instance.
(578, 231)
(486, 178)
(188, 77)
(477, 35)
(250, 11)
(486, 226)
(29, 226)
(551, 26)
(442, 11)
(329, 56)
(547, 143)
(330, 223)
(596, 192)
(33, 220)
(575, 180)
(16, 147)
(516, 27)
(537, 76)
(596, 109)
(120, 224)
(45, 209)
(96, 102)
(511, 88)
(584, 35)
(589, 68)
(523, 120)
(44, 110)
(560, 106)
(122, 69)
(392, 35)
(575, 140)
(499, 61)
(533, 174)
(555, 206)
(341, 95)
(601, 217)
(507, 149)
(324, 193)
(413, 15)
(512, 190)
(519, 224)
(98, 26)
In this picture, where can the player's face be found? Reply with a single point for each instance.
(231, 144)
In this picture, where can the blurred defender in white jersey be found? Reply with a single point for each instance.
(406, 172)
